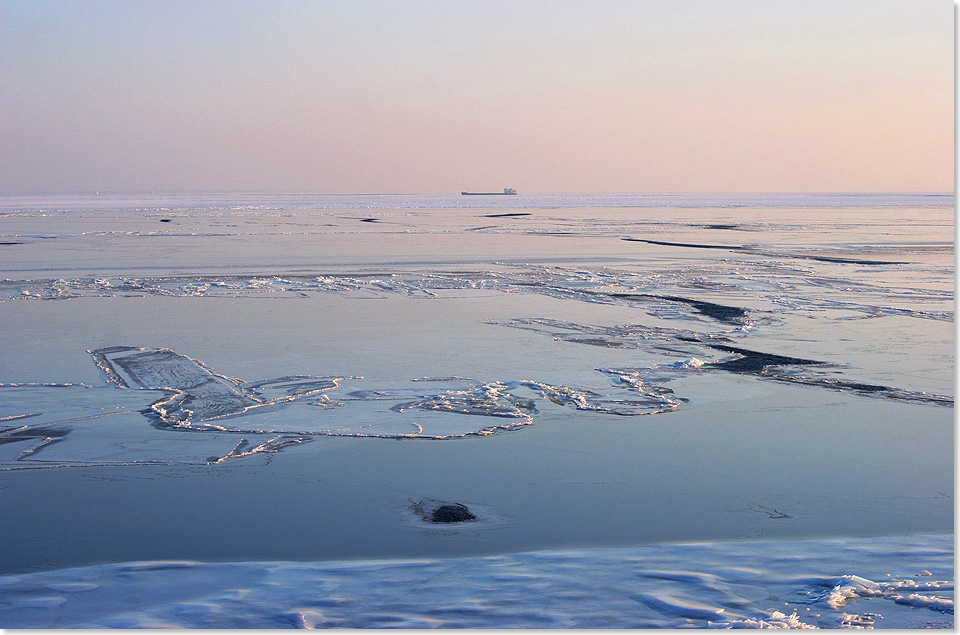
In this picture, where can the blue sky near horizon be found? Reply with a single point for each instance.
(376, 96)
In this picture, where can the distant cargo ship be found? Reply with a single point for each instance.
(506, 191)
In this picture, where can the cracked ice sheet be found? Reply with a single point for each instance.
(75, 426)
(34, 405)
(285, 411)
(739, 445)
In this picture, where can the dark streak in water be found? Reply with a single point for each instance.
(32, 433)
(867, 390)
(769, 511)
(43, 437)
(719, 312)
(833, 259)
(596, 341)
(759, 364)
(754, 362)
(697, 246)
(845, 261)
(746, 362)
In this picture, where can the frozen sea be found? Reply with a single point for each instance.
(243, 410)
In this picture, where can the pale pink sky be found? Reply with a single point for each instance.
(599, 96)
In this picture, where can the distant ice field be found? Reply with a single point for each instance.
(252, 378)
(254, 201)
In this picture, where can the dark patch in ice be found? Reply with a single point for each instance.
(456, 513)
(369, 220)
(757, 363)
(166, 220)
(754, 362)
(694, 245)
(440, 512)
(507, 214)
(867, 390)
(596, 341)
(156, 566)
(43, 437)
(719, 312)
(11, 435)
(746, 362)
(752, 250)
(769, 511)
(716, 226)
(846, 261)
(10, 242)
(760, 364)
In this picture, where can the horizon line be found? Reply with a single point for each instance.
(94, 193)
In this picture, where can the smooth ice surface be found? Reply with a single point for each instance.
(898, 583)
(282, 378)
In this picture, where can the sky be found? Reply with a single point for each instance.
(401, 96)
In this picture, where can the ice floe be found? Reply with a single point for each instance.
(182, 396)
(690, 291)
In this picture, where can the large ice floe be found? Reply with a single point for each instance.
(903, 582)
(176, 393)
